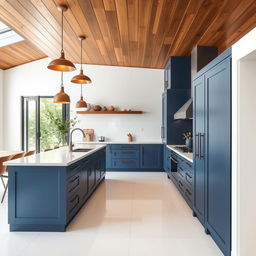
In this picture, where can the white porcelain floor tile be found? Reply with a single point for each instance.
(131, 214)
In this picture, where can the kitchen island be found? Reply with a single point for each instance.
(48, 189)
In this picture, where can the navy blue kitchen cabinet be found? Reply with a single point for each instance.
(177, 85)
(181, 174)
(212, 149)
(171, 130)
(167, 160)
(134, 157)
(199, 161)
(177, 73)
(151, 156)
(46, 198)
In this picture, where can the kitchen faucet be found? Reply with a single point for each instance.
(70, 139)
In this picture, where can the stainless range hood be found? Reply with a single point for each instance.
(185, 112)
(200, 57)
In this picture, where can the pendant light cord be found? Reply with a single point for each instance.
(81, 53)
(62, 30)
(81, 91)
(61, 79)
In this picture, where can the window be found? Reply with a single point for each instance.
(8, 36)
(37, 133)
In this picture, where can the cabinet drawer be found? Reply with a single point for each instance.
(181, 186)
(125, 154)
(181, 171)
(73, 169)
(73, 204)
(124, 146)
(125, 163)
(188, 194)
(188, 178)
(73, 183)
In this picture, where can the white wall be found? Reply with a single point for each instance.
(130, 88)
(1, 109)
(243, 145)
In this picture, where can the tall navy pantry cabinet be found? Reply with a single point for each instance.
(212, 149)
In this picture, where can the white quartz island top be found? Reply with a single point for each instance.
(57, 157)
(119, 142)
(188, 156)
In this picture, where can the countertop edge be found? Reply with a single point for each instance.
(179, 153)
(117, 142)
(65, 164)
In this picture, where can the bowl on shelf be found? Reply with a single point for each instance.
(111, 108)
(97, 108)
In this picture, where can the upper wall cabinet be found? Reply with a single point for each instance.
(177, 73)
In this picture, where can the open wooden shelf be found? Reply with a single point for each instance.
(108, 112)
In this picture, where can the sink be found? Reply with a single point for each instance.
(82, 150)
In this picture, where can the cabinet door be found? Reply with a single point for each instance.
(84, 180)
(108, 156)
(151, 156)
(199, 159)
(164, 118)
(218, 127)
(91, 177)
(167, 77)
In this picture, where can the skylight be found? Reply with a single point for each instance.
(8, 36)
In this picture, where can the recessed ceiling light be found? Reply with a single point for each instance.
(8, 36)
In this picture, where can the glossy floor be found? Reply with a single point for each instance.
(131, 214)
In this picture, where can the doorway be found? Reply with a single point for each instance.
(37, 111)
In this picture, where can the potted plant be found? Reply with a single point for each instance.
(61, 127)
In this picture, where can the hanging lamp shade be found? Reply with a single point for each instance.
(61, 97)
(61, 64)
(81, 103)
(81, 78)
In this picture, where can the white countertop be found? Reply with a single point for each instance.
(188, 156)
(57, 157)
(119, 142)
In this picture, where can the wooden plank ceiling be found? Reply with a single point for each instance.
(19, 53)
(137, 33)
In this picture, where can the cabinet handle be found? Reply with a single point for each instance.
(173, 160)
(180, 183)
(75, 168)
(181, 168)
(127, 152)
(195, 145)
(201, 156)
(127, 161)
(188, 192)
(188, 175)
(142, 155)
(162, 132)
(187, 164)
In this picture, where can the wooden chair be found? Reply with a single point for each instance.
(3, 173)
(4, 170)
(48, 149)
(30, 153)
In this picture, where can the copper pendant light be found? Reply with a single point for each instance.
(81, 78)
(81, 103)
(61, 97)
(61, 64)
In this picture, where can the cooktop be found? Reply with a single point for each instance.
(183, 149)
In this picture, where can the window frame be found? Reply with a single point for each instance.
(65, 117)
